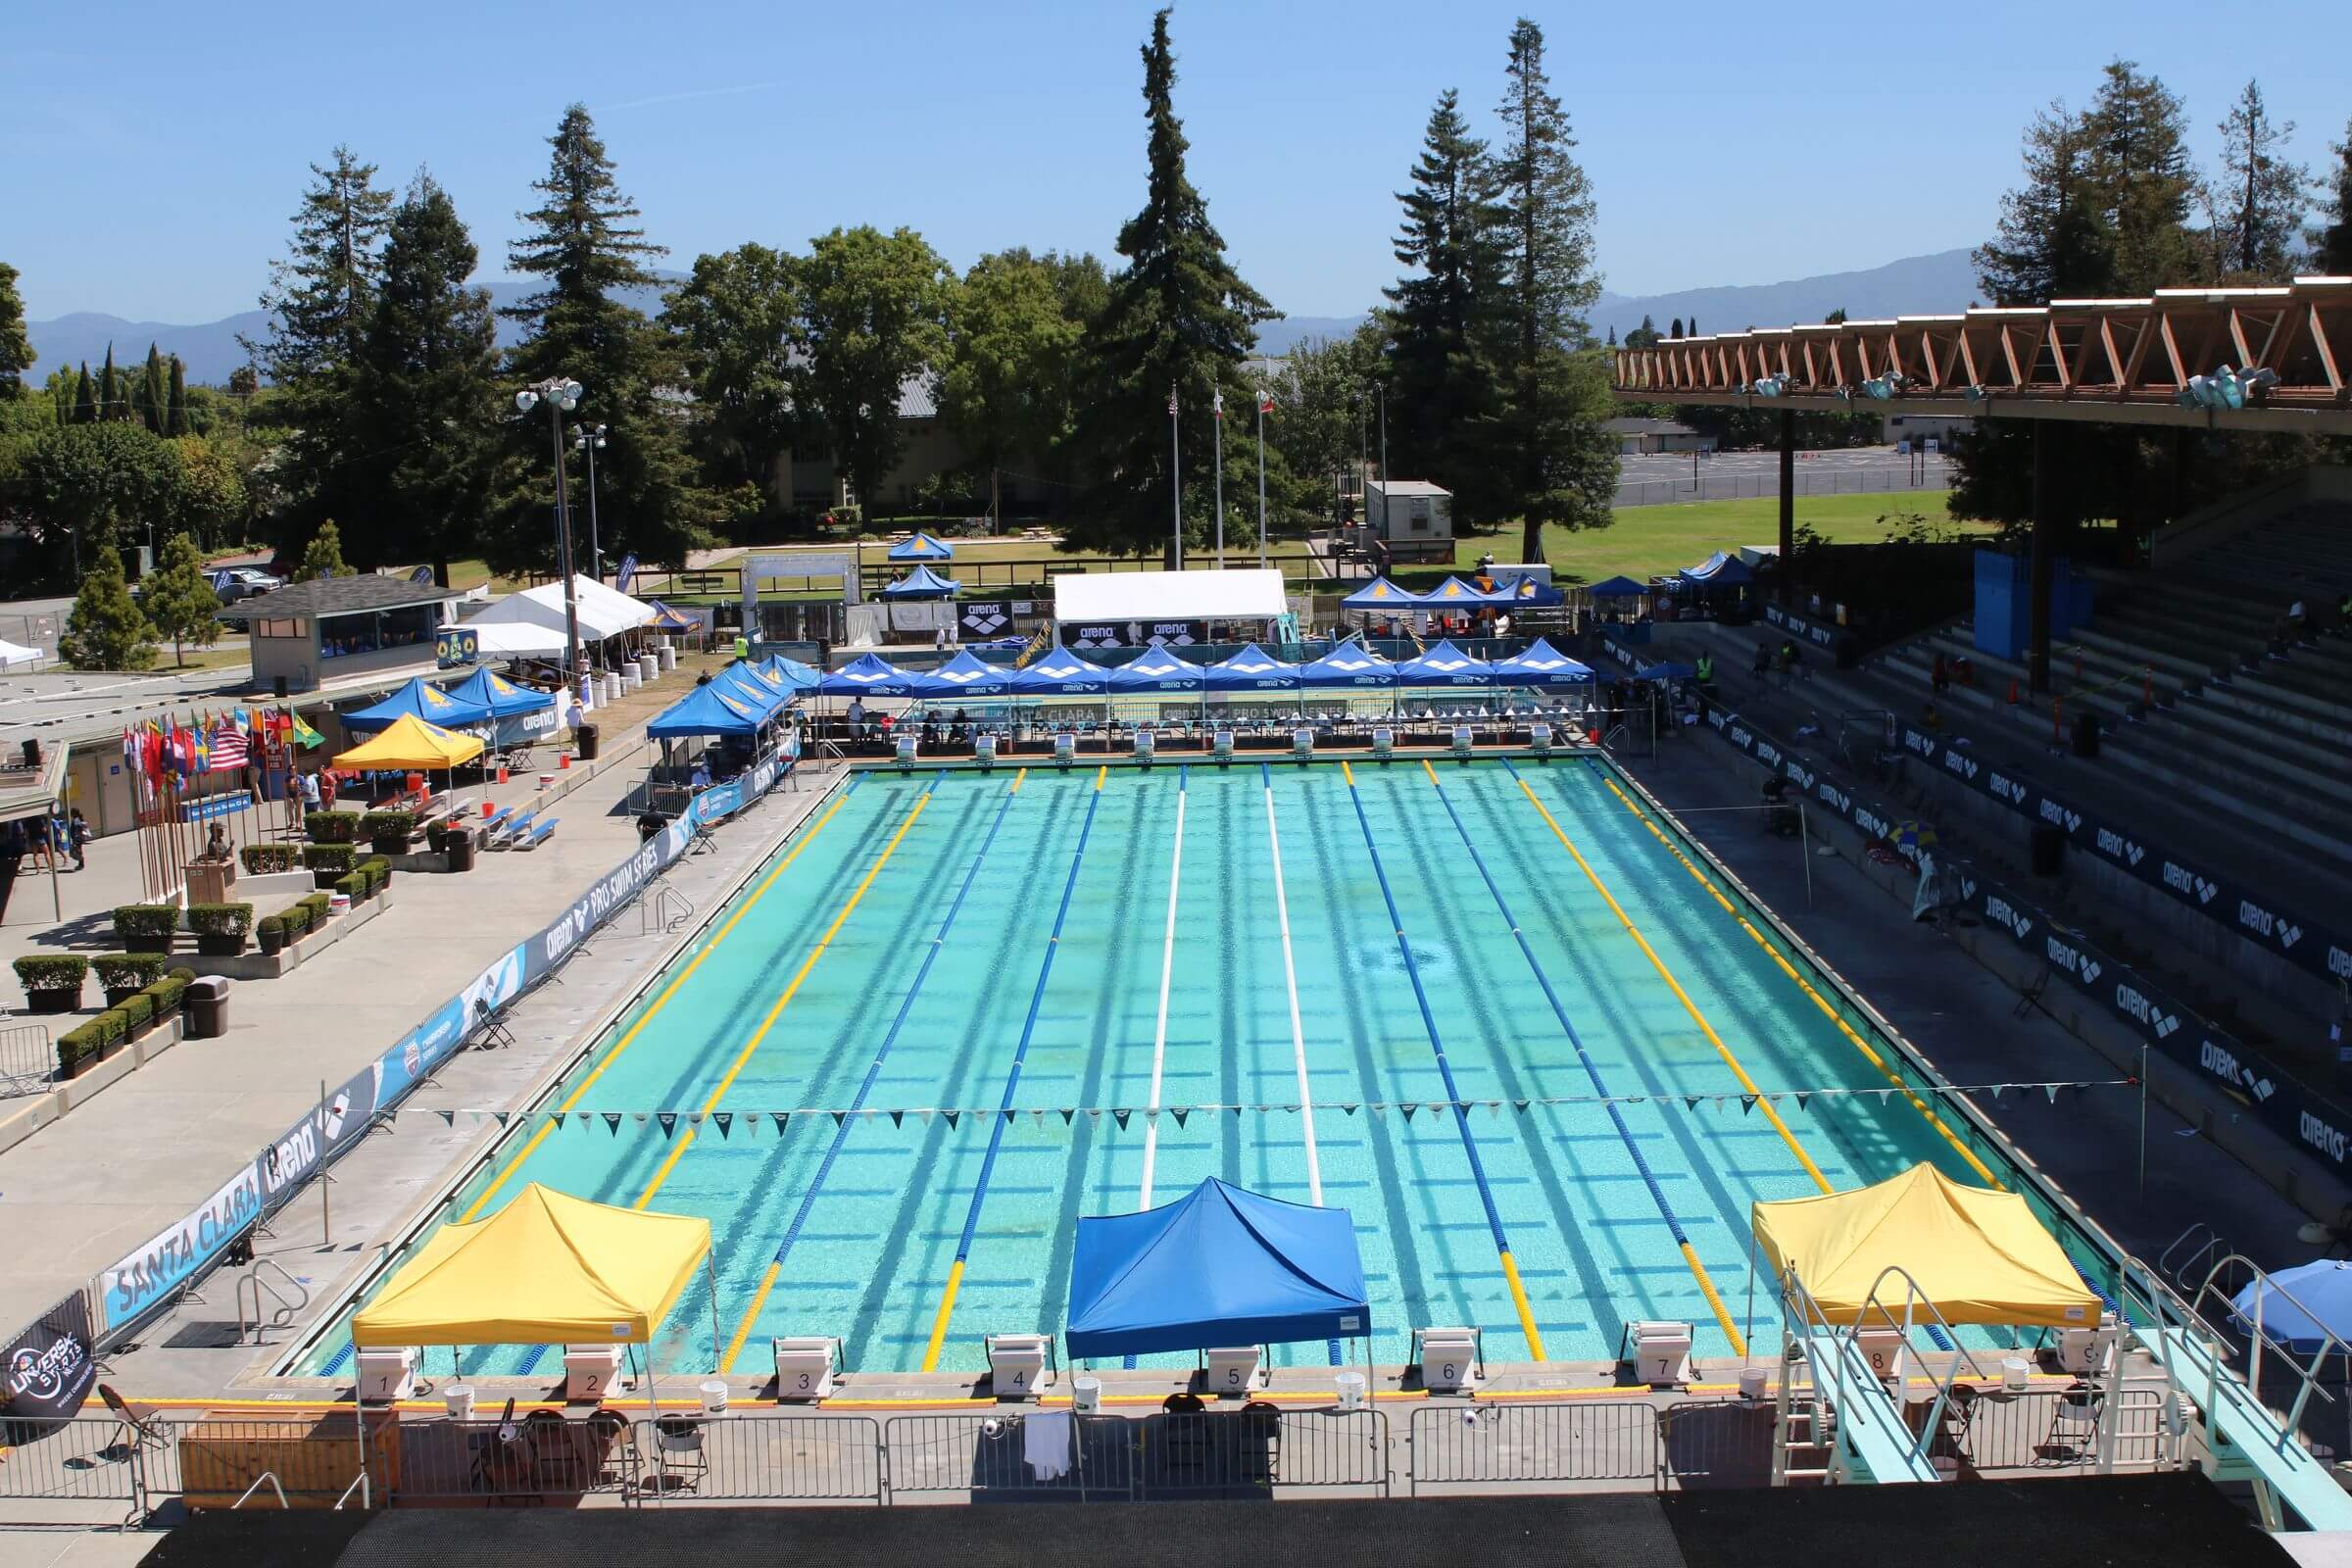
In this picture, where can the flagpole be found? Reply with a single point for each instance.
(1217, 424)
(1175, 483)
(1261, 479)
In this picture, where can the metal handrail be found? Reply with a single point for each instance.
(1919, 1310)
(358, 1485)
(2264, 1286)
(269, 1476)
(288, 1308)
(2213, 1240)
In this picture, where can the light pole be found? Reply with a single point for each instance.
(560, 398)
(1263, 401)
(1383, 432)
(591, 440)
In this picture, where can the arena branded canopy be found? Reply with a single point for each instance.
(1381, 594)
(1060, 673)
(1978, 1254)
(1218, 1267)
(1252, 669)
(1349, 665)
(965, 675)
(1105, 597)
(923, 547)
(419, 698)
(1156, 670)
(546, 1269)
(868, 675)
(1445, 665)
(1539, 663)
(1718, 570)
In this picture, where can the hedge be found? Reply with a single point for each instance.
(52, 972)
(332, 827)
(118, 970)
(146, 927)
(353, 886)
(220, 919)
(83, 1039)
(137, 1011)
(165, 994)
(260, 859)
(329, 856)
(318, 904)
(183, 975)
(387, 824)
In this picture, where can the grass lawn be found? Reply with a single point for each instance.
(226, 654)
(1644, 541)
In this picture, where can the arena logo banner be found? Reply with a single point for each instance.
(1094, 637)
(47, 1371)
(1172, 633)
(978, 620)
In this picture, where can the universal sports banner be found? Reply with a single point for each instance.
(2305, 943)
(46, 1371)
(2170, 1028)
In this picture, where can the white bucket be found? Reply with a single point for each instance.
(1086, 1394)
(2015, 1370)
(460, 1399)
(1353, 1394)
(338, 903)
(1751, 1383)
(715, 1397)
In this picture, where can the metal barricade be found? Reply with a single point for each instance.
(1493, 1444)
(83, 1471)
(788, 1457)
(1256, 1450)
(988, 1456)
(1710, 1444)
(540, 1457)
(27, 1060)
(2057, 1429)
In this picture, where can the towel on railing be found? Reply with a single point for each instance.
(1046, 1437)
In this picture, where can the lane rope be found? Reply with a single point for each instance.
(1167, 971)
(1290, 977)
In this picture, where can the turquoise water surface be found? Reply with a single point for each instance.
(889, 961)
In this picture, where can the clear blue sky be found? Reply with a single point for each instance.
(151, 154)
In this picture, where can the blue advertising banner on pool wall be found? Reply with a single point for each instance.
(150, 1274)
(2169, 1027)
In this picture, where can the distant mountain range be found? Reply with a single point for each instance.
(1916, 284)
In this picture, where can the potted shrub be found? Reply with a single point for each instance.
(351, 886)
(146, 927)
(112, 1029)
(164, 995)
(78, 1049)
(125, 974)
(53, 981)
(389, 832)
(378, 872)
(271, 932)
(220, 928)
(320, 906)
(331, 827)
(260, 858)
(137, 1012)
(329, 862)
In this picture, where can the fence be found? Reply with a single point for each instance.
(1823, 480)
(27, 1060)
(95, 1468)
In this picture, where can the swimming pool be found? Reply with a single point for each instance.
(1498, 1011)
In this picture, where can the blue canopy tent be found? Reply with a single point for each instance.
(1061, 673)
(1352, 664)
(499, 697)
(1381, 594)
(759, 690)
(1539, 663)
(922, 583)
(1617, 588)
(800, 678)
(422, 698)
(707, 711)
(965, 675)
(1445, 665)
(868, 675)
(1718, 570)
(1252, 669)
(669, 619)
(1527, 594)
(923, 547)
(1156, 670)
(1459, 593)
(1220, 1265)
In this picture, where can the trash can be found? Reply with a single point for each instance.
(460, 849)
(207, 1005)
(585, 735)
(2086, 734)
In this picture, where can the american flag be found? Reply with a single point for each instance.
(1265, 401)
(228, 747)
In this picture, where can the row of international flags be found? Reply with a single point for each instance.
(169, 748)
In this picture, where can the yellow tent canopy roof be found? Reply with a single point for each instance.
(1979, 1254)
(410, 742)
(546, 1269)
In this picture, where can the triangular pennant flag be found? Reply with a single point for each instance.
(1378, 1107)
(1180, 1112)
(1996, 1093)
(954, 1117)
(1439, 1107)
(1011, 1114)
(1236, 1109)
(839, 1117)
(1802, 1098)
(499, 1116)
(2051, 1090)
(1150, 1114)
(448, 1118)
(669, 1122)
(925, 1113)
(1293, 1109)
(694, 1118)
(725, 1120)
(1637, 1099)
(1068, 1115)
(558, 1118)
(1690, 1102)
(1520, 1105)
(639, 1115)
(779, 1118)
(1120, 1115)
(612, 1122)
(1408, 1108)
(1748, 1104)
(867, 1115)
(898, 1118)
(1883, 1096)
(1347, 1107)
(1037, 1114)
(1093, 1113)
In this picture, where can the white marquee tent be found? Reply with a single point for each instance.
(1122, 596)
(602, 612)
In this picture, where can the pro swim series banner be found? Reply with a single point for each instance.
(149, 1275)
(2168, 1026)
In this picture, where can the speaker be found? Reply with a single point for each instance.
(2048, 849)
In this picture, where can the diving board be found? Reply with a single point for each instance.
(1869, 1422)
(2239, 1421)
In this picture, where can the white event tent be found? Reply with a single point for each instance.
(1116, 597)
(534, 617)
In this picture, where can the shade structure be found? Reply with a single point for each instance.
(707, 711)
(1528, 594)
(601, 612)
(1252, 669)
(546, 1269)
(922, 583)
(762, 688)
(1156, 670)
(515, 639)
(1718, 570)
(1381, 594)
(1059, 672)
(1352, 664)
(669, 619)
(1979, 1255)
(1242, 594)
(2303, 1306)
(800, 676)
(1539, 663)
(1221, 1265)
(1617, 588)
(500, 697)
(868, 675)
(1459, 593)
(412, 744)
(965, 675)
(419, 698)
(15, 654)
(1445, 665)
(923, 547)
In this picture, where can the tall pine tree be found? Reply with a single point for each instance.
(1441, 381)
(175, 411)
(112, 404)
(583, 246)
(2054, 239)
(2260, 198)
(85, 397)
(1179, 322)
(321, 294)
(1547, 442)
(16, 349)
(2138, 142)
(428, 391)
(153, 397)
(2331, 241)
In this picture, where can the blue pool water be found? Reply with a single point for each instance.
(888, 961)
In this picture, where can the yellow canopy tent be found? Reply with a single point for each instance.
(546, 1269)
(1979, 1255)
(412, 742)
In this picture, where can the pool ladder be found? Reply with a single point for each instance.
(285, 1314)
(664, 911)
